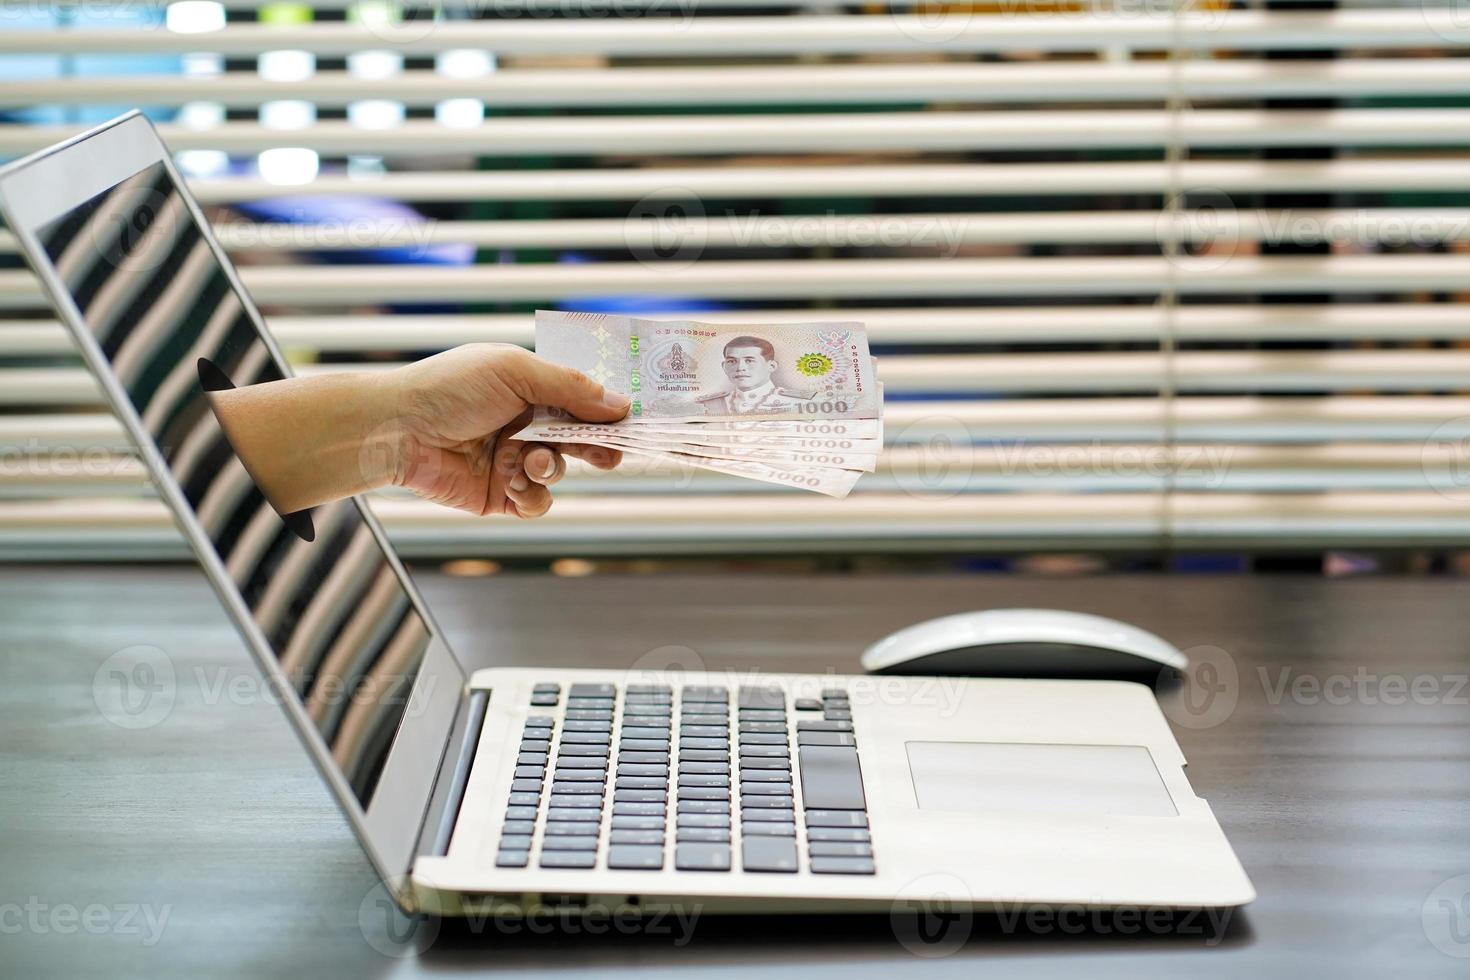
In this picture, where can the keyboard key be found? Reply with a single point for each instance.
(531, 759)
(833, 692)
(646, 745)
(752, 815)
(766, 802)
(762, 738)
(540, 721)
(704, 731)
(768, 854)
(704, 820)
(525, 799)
(696, 692)
(808, 704)
(823, 726)
(842, 865)
(587, 726)
(620, 822)
(642, 769)
(512, 859)
(648, 689)
(831, 778)
(702, 857)
(566, 801)
(766, 789)
(644, 758)
(825, 848)
(520, 813)
(575, 789)
(702, 779)
(755, 762)
(702, 835)
(640, 728)
(748, 775)
(592, 691)
(535, 745)
(764, 727)
(640, 795)
(543, 687)
(641, 782)
(571, 828)
(764, 752)
(762, 714)
(716, 768)
(709, 714)
(568, 843)
(687, 754)
(836, 818)
(824, 738)
(704, 806)
(837, 714)
(635, 857)
(761, 696)
(590, 714)
(568, 859)
(651, 710)
(704, 792)
(643, 837)
(574, 775)
(529, 772)
(565, 762)
(639, 809)
(590, 704)
(573, 748)
(848, 834)
(769, 830)
(515, 842)
(572, 813)
(525, 785)
(586, 738)
(720, 744)
(518, 827)
(544, 700)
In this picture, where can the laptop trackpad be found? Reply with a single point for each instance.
(1055, 779)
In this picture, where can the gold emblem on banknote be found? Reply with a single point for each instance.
(814, 365)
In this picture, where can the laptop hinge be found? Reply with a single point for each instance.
(454, 775)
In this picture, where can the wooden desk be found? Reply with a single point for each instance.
(1347, 815)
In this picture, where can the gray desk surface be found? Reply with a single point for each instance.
(1350, 807)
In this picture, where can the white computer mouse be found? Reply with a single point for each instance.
(1023, 643)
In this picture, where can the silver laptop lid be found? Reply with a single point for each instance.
(135, 273)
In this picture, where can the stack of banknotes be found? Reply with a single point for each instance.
(797, 404)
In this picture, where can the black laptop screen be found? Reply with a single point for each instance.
(157, 300)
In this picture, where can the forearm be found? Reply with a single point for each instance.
(307, 441)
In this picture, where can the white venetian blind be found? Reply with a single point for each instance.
(1141, 274)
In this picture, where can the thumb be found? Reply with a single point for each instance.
(556, 386)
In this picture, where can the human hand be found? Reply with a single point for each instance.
(453, 415)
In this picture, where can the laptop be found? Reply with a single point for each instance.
(497, 791)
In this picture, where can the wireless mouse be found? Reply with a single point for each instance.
(1024, 643)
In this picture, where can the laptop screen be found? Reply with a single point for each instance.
(151, 290)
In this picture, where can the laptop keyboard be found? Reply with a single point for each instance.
(657, 773)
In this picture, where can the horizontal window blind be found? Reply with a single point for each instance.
(1141, 274)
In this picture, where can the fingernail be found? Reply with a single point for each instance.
(616, 401)
(548, 469)
(519, 482)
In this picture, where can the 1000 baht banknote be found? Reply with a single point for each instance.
(683, 370)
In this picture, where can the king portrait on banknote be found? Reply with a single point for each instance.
(750, 364)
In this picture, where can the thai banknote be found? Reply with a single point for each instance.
(682, 370)
(821, 479)
(792, 404)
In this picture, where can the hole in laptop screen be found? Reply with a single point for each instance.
(156, 299)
